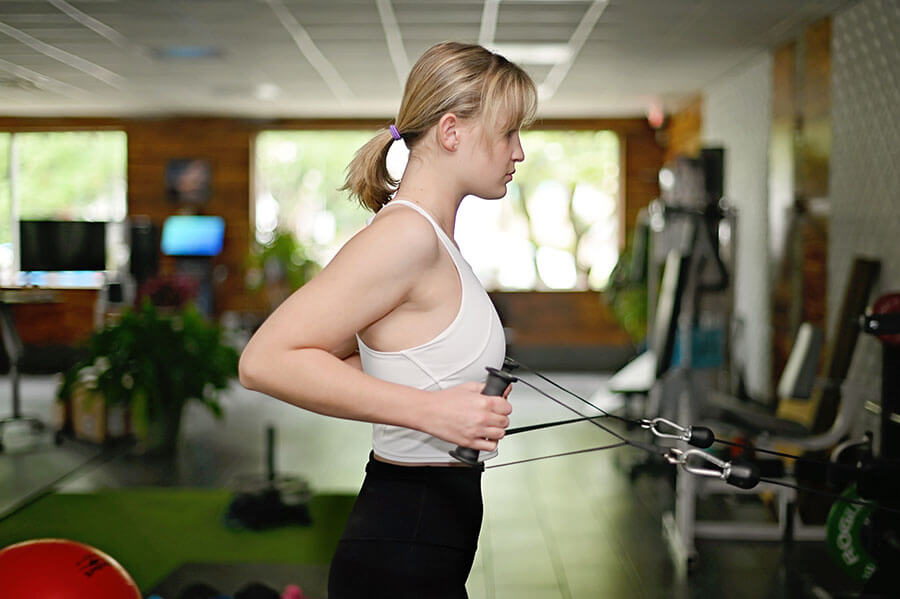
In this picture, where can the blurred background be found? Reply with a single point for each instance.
(170, 172)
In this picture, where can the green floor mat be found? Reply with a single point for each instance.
(151, 531)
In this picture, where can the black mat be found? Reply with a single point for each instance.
(228, 578)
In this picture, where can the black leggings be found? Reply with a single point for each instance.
(412, 533)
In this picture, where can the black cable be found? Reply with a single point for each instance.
(825, 463)
(829, 494)
(652, 450)
(535, 427)
(557, 455)
(578, 397)
(648, 448)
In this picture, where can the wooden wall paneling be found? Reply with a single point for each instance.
(813, 159)
(643, 159)
(68, 321)
(574, 318)
(784, 242)
(814, 111)
(683, 132)
(799, 164)
(226, 144)
(559, 318)
(813, 154)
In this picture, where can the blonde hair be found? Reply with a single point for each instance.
(465, 79)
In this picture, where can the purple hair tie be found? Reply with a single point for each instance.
(394, 133)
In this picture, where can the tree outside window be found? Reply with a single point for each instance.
(5, 202)
(71, 175)
(62, 175)
(298, 174)
(557, 228)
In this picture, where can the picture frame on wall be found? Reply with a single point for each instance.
(188, 181)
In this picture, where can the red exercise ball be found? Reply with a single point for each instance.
(61, 569)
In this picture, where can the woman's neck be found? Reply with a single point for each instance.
(427, 188)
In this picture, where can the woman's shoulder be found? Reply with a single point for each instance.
(404, 226)
(400, 233)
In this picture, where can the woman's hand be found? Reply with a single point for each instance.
(463, 416)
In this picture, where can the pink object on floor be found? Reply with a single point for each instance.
(292, 591)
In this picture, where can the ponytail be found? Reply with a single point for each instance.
(368, 179)
(465, 79)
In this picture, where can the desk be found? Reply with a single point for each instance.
(13, 344)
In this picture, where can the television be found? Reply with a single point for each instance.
(188, 181)
(57, 245)
(193, 235)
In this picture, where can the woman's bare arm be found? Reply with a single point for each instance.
(299, 354)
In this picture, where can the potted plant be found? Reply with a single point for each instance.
(627, 294)
(153, 362)
(279, 267)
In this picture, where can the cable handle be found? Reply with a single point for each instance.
(497, 382)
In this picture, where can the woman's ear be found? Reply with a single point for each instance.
(448, 132)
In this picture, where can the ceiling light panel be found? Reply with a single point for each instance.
(637, 49)
(534, 54)
(437, 21)
(538, 22)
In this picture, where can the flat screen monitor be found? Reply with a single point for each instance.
(55, 245)
(193, 235)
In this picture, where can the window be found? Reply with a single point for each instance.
(298, 174)
(557, 228)
(5, 202)
(62, 175)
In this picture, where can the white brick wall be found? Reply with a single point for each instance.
(864, 179)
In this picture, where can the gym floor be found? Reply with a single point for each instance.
(568, 527)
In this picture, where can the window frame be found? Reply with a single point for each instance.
(11, 126)
(620, 127)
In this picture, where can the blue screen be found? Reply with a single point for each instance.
(193, 235)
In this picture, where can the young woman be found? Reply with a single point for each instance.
(397, 330)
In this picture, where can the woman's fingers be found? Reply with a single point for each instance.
(471, 419)
(499, 405)
(483, 445)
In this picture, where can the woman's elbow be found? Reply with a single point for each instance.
(248, 369)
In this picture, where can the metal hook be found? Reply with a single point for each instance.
(698, 436)
(682, 458)
(743, 475)
(683, 434)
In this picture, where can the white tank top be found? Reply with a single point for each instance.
(458, 354)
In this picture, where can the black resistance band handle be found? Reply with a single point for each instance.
(497, 382)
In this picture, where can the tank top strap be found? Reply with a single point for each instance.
(442, 235)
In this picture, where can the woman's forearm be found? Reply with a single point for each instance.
(317, 380)
(354, 360)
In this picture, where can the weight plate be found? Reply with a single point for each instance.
(844, 536)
